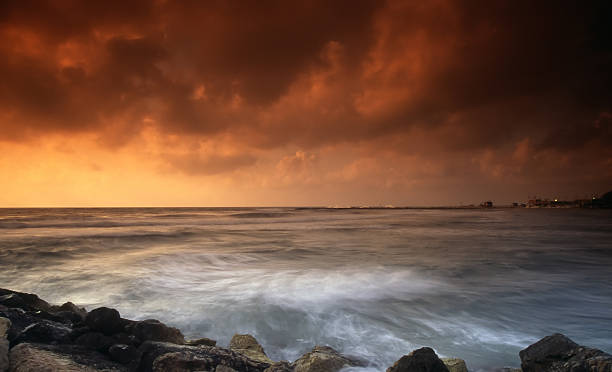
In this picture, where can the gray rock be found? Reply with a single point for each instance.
(420, 360)
(324, 359)
(60, 358)
(557, 353)
(154, 330)
(455, 364)
(105, 320)
(248, 346)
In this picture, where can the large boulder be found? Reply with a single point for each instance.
(185, 355)
(420, 360)
(455, 364)
(59, 358)
(324, 359)
(154, 330)
(558, 353)
(44, 332)
(26, 301)
(105, 320)
(248, 346)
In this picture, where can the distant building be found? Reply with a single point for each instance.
(486, 204)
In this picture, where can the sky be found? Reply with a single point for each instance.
(297, 103)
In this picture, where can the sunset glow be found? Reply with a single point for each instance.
(160, 103)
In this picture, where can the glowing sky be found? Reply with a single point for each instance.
(219, 103)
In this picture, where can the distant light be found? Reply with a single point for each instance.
(556, 199)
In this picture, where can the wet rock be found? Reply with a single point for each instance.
(247, 345)
(60, 358)
(44, 332)
(324, 359)
(558, 353)
(95, 341)
(5, 325)
(420, 360)
(455, 364)
(201, 341)
(282, 366)
(154, 330)
(26, 301)
(213, 356)
(105, 320)
(123, 354)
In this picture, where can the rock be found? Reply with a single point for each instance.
(5, 325)
(95, 341)
(222, 368)
(282, 366)
(455, 364)
(44, 332)
(201, 341)
(248, 346)
(19, 318)
(60, 358)
(4, 354)
(26, 301)
(154, 330)
(420, 360)
(558, 353)
(126, 339)
(189, 355)
(324, 359)
(105, 320)
(123, 354)
(181, 362)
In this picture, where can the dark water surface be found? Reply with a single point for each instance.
(476, 284)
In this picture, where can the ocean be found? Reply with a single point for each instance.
(375, 283)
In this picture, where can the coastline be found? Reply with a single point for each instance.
(36, 335)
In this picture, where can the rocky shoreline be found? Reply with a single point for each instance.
(38, 336)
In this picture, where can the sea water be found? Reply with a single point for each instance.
(375, 283)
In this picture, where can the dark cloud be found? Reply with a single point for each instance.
(471, 75)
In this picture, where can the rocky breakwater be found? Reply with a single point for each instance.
(38, 336)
